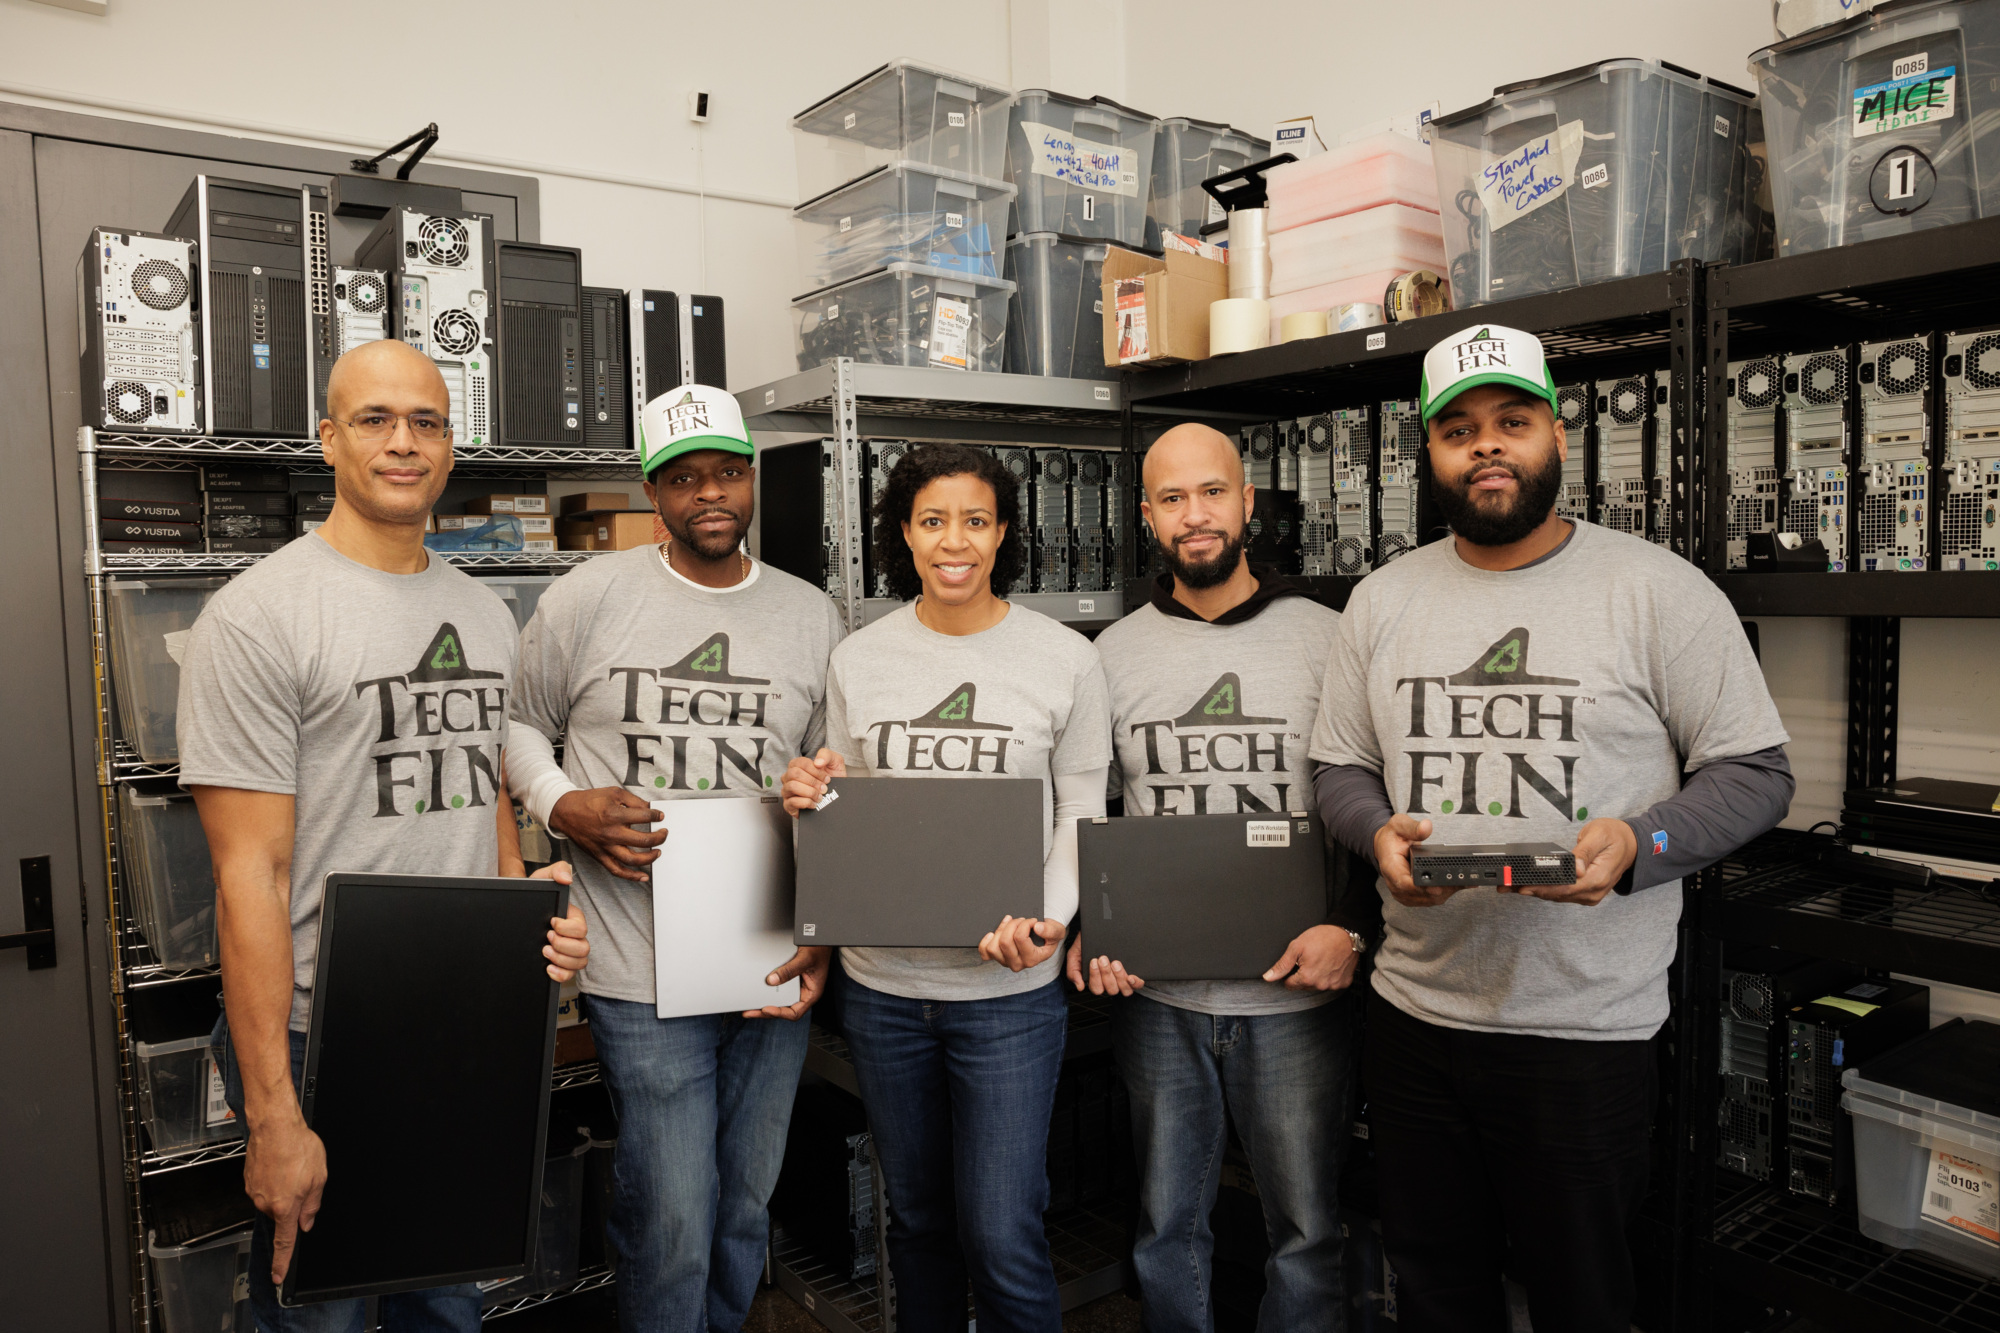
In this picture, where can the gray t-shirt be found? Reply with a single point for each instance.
(1515, 706)
(1213, 719)
(1024, 699)
(378, 701)
(670, 691)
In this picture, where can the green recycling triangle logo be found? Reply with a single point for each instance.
(1221, 705)
(444, 659)
(709, 663)
(955, 713)
(1505, 662)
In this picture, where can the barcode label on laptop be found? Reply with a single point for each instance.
(1268, 833)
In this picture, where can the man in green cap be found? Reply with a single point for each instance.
(680, 671)
(1529, 679)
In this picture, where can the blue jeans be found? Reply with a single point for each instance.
(439, 1310)
(959, 1094)
(1284, 1080)
(703, 1104)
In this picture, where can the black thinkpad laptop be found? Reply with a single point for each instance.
(919, 862)
(1200, 897)
(427, 1076)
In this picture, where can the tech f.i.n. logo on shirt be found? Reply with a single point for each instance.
(442, 699)
(1216, 746)
(711, 733)
(1499, 698)
(949, 738)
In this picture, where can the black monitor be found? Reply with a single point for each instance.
(427, 1077)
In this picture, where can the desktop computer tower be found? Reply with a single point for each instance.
(257, 314)
(1893, 480)
(357, 313)
(1573, 406)
(1817, 420)
(440, 268)
(1624, 413)
(1969, 462)
(1826, 1036)
(1760, 985)
(1750, 411)
(607, 370)
(539, 329)
(675, 340)
(138, 334)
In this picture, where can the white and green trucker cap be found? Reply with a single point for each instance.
(1484, 354)
(694, 416)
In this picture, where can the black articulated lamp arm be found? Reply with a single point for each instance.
(1246, 185)
(425, 139)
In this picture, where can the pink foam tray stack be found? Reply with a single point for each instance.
(1346, 223)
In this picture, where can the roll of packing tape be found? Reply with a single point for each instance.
(1415, 295)
(1302, 324)
(1357, 315)
(1238, 324)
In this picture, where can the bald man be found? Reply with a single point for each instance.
(1214, 685)
(343, 706)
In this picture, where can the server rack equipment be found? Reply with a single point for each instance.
(1969, 521)
(1893, 479)
(1660, 463)
(539, 329)
(138, 333)
(1574, 406)
(1089, 511)
(1623, 412)
(1751, 416)
(1352, 451)
(256, 313)
(1318, 533)
(440, 268)
(357, 312)
(1019, 461)
(1053, 539)
(879, 459)
(1816, 449)
(607, 370)
(1760, 986)
(1402, 466)
(1825, 1036)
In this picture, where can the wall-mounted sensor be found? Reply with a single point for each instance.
(698, 107)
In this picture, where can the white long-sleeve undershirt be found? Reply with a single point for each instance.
(1077, 796)
(533, 775)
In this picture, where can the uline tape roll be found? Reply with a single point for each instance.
(1415, 295)
(1238, 324)
(1302, 324)
(1357, 315)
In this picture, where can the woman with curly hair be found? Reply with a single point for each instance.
(957, 1050)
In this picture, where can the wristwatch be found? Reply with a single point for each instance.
(1360, 941)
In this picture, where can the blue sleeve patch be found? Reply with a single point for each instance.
(1659, 842)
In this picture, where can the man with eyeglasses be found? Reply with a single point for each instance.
(343, 706)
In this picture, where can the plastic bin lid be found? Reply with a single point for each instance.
(986, 185)
(925, 270)
(146, 1050)
(1828, 32)
(1101, 100)
(169, 585)
(153, 800)
(898, 65)
(235, 1236)
(1063, 238)
(1952, 1071)
(1511, 92)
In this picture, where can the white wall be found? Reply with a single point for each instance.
(1352, 62)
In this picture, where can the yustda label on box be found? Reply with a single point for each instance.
(1539, 172)
(1916, 94)
(1092, 166)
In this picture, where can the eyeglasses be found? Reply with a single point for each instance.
(378, 426)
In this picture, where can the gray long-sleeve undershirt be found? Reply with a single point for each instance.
(1721, 806)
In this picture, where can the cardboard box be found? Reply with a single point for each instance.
(508, 504)
(142, 530)
(1156, 309)
(249, 525)
(312, 502)
(245, 545)
(597, 502)
(622, 532)
(152, 548)
(156, 511)
(576, 534)
(243, 477)
(1297, 136)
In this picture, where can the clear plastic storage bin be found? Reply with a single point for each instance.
(1055, 324)
(180, 1094)
(1882, 125)
(901, 112)
(203, 1287)
(1608, 171)
(1083, 167)
(906, 315)
(1927, 1144)
(1186, 153)
(150, 621)
(904, 212)
(168, 879)
(558, 1231)
(522, 595)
